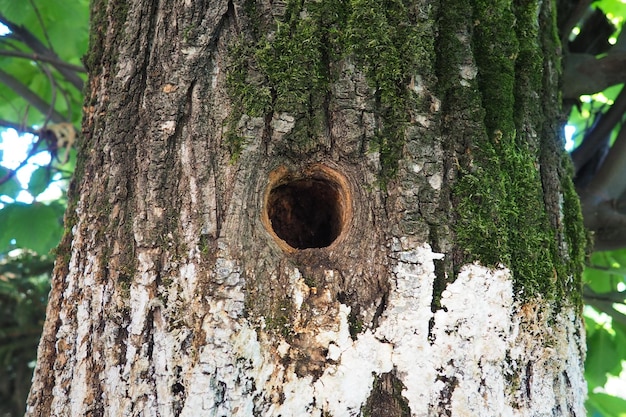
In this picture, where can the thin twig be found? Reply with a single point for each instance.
(66, 97)
(607, 308)
(43, 27)
(35, 45)
(53, 95)
(41, 58)
(610, 181)
(573, 19)
(593, 141)
(613, 296)
(18, 126)
(13, 171)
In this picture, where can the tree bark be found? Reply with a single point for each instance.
(318, 208)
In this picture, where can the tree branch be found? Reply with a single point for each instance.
(586, 74)
(610, 180)
(602, 217)
(572, 20)
(608, 269)
(595, 138)
(613, 296)
(607, 307)
(43, 27)
(39, 48)
(36, 101)
(13, 171)
(601, 199)
(41, 58)
(17, 126)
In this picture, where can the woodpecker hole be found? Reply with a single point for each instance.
(307, 211)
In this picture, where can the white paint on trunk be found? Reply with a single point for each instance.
(480, 356)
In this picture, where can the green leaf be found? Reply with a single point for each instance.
(620, 339)
(598, 280)
(60, 26)
(12, 187)
(606, 280)
(34, 226)
(615, 8)
(39, 181)
(605, 405)
(602, 357)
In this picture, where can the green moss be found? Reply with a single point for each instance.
(355, 325)
(292, 70)
(310, 281)
(96, 35)
(386, 398)
(63, 251)
(187, 32)
(480, 193)
(204, 245)
(293, 65)
(501, 215)
(537, 69)
(576, 240)
(249, 95)
(495, 49)
(279, 320)
(103, 12)
(513, 377)
(386, 41)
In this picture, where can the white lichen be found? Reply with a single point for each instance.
(283, 123)
(468, 73)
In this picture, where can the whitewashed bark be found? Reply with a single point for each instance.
(497, 351)
(171, 297)
(483, 342)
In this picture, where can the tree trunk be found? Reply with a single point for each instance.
(325, 208)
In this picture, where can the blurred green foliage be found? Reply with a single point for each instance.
(24, 287)
(605, 274)
(41, 46)
(605, 322)
(62, 27)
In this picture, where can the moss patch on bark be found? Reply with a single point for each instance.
(291, 68)
(501, 214)
(497, 122)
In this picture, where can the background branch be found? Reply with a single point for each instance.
(24, 35)
(17, 126)
(41, 58)
(595, 137)
(36, 101)
(586, 74)
(610, 179)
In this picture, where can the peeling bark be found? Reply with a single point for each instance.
(177, 292)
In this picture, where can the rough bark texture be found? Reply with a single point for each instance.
(318, 208)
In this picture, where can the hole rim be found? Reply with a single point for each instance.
(320, 172)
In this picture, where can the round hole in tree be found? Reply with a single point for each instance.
(307, 211)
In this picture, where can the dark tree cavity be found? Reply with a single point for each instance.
(306, 213)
